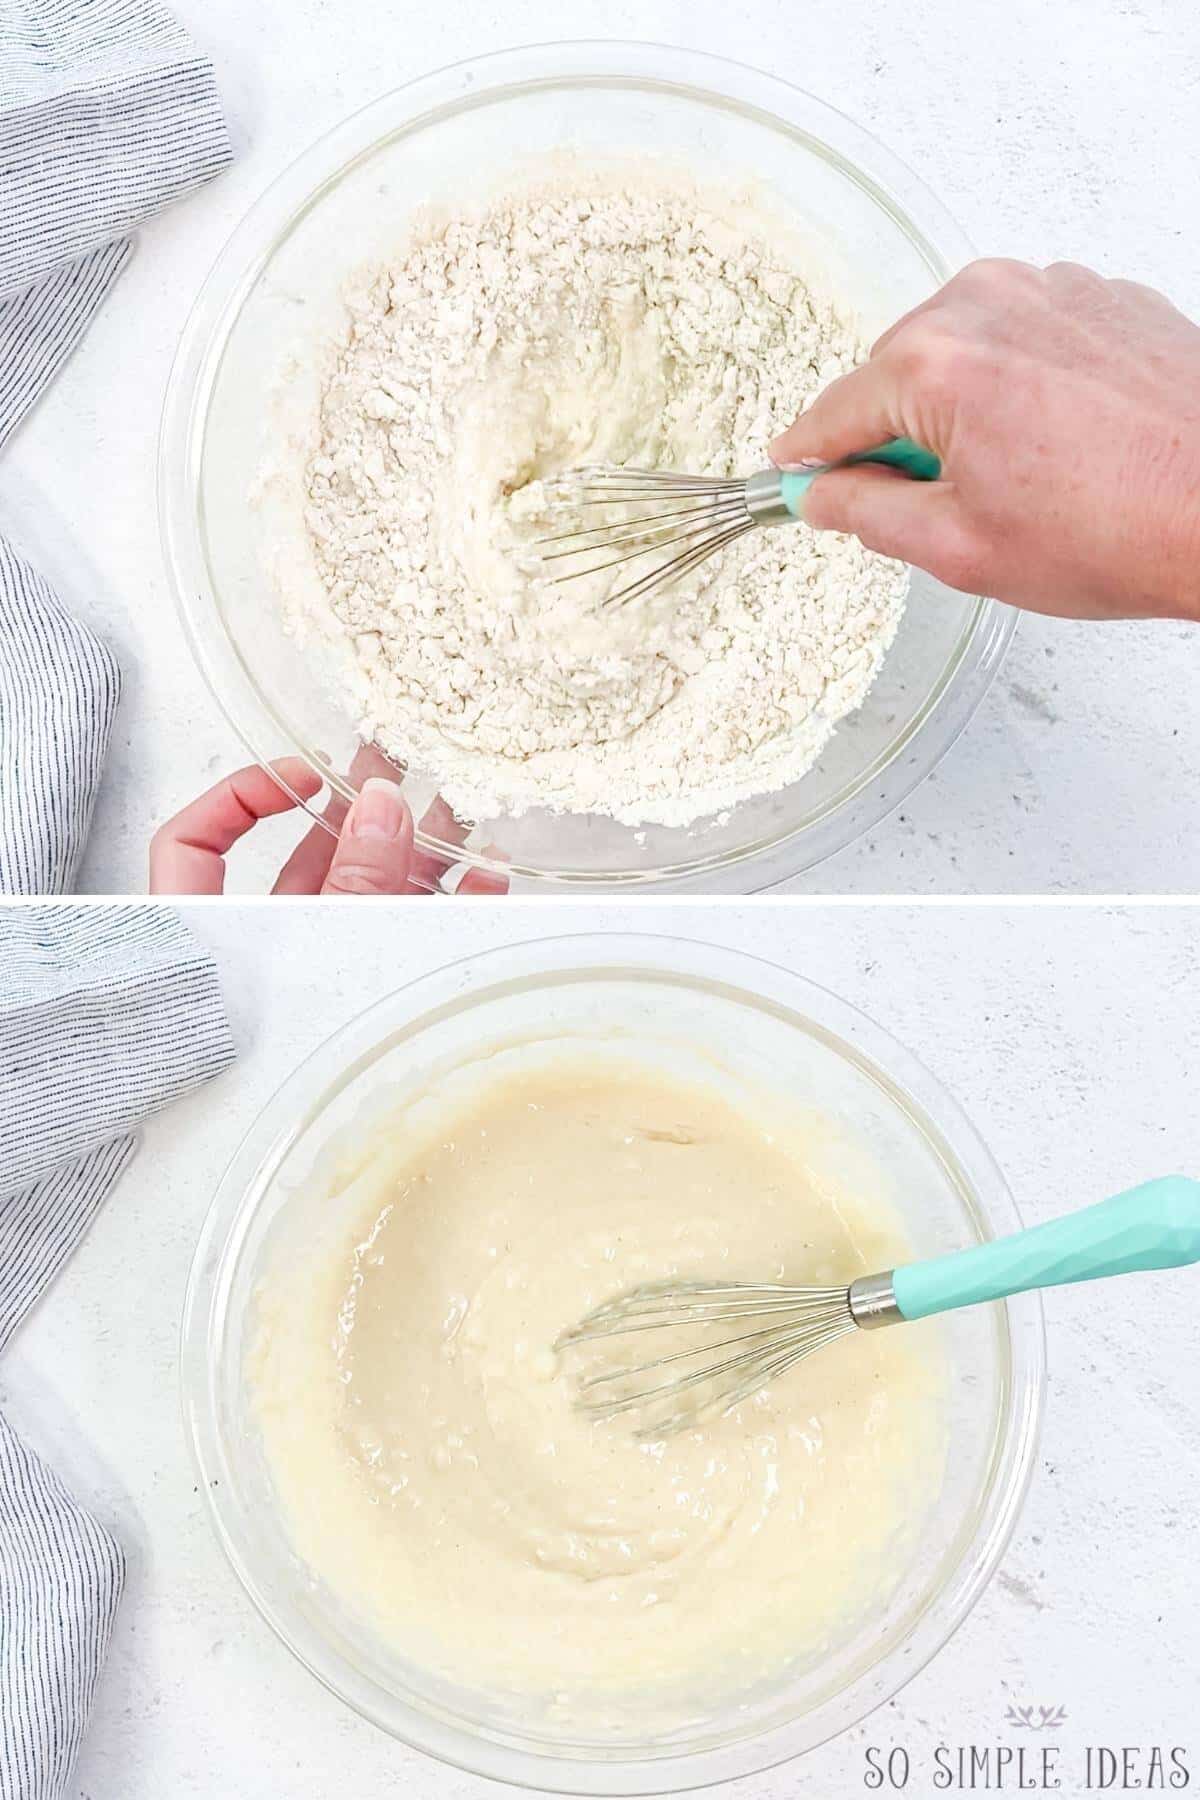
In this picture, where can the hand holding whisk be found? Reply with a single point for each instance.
(1155, 1226)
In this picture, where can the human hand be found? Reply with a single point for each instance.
(1066, 411)
(370, 851)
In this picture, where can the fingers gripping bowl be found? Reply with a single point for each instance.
(683, 1009)
(876, 238)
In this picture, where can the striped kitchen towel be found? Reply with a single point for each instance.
(107, 114)
(106, 1015)
(59, 688)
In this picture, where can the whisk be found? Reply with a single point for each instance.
(1154, 1226)
(694, 516)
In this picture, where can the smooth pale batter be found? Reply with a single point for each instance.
(420, 1428)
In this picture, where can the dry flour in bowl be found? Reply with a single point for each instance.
(596, 317)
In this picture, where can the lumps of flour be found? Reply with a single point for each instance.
(638, 323)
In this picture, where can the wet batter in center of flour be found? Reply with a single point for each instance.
(594, 317)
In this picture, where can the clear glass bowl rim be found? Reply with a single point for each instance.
(748, 868)
(299, 1101)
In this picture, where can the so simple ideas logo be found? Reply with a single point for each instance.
(1030, 1767)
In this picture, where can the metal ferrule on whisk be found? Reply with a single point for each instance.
(764, 498)
(872, 1301)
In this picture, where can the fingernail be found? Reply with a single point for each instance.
(379, 810)
(803, 465)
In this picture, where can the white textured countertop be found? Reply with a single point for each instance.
(1070, 1035)
(1050, 131)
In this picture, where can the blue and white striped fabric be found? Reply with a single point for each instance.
(59, 689)
(107, 114)
(106, 1015)
(61, 1576)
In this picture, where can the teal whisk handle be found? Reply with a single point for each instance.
(911, 459)
(900, 453)
(1155, 1226)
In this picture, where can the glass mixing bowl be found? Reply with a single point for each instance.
(877, 237)
(667, 999)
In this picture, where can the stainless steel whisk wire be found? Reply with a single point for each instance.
(707, 514)
(796, 1323)
(715, 513)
